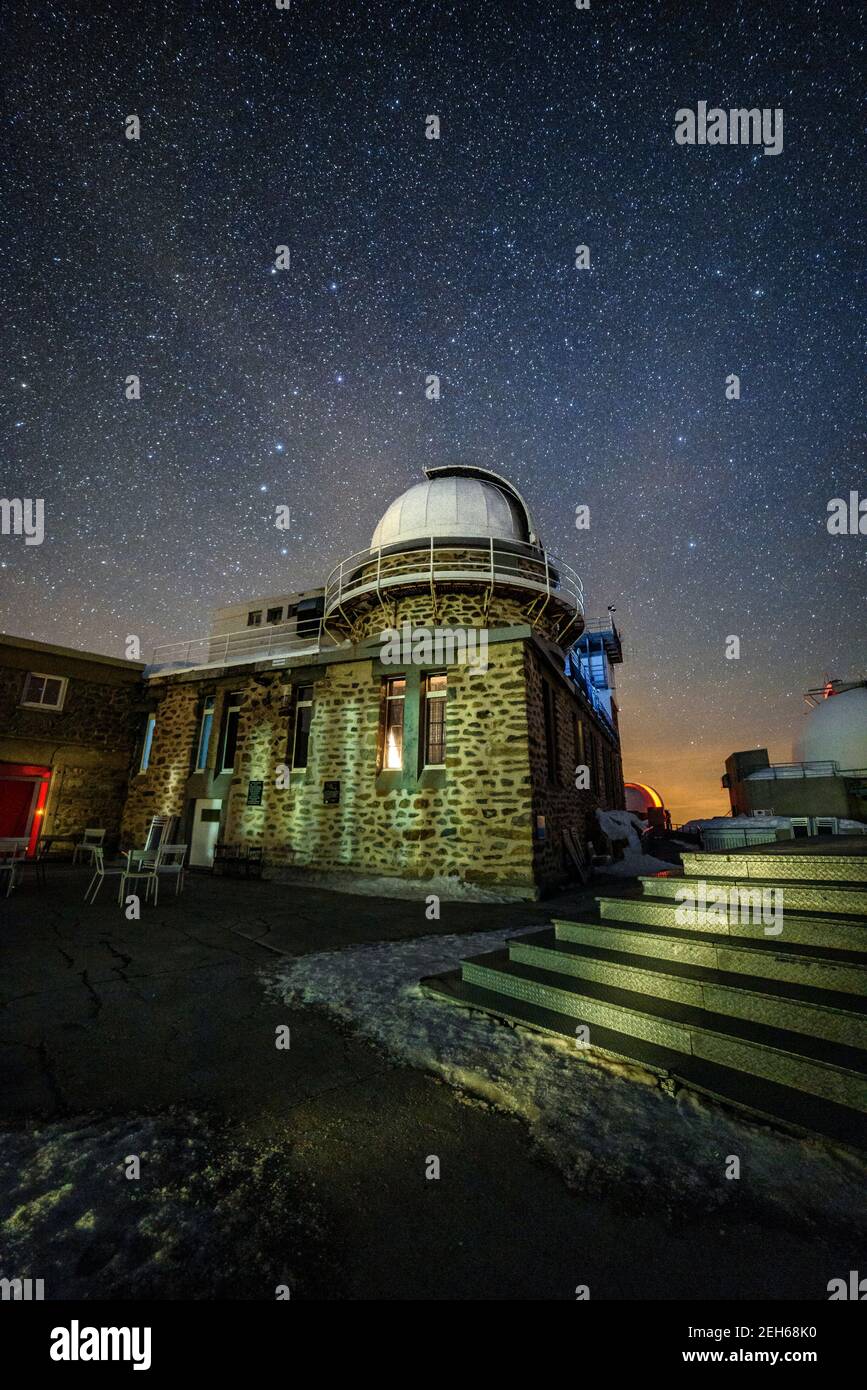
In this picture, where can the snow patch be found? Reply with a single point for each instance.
(625, 825)
(610, 1127)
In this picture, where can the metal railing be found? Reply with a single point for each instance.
(777, 772)
(433, 561)
(249, 644)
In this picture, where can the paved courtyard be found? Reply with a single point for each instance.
(164, 1029)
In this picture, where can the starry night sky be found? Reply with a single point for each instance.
(606, 387)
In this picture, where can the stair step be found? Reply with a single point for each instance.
(805, 868)
(832, 1070)
(839, 1018)
(807, 965)
(829, 900)
(765, 1098)
(833, 933)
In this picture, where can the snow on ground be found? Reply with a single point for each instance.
(212, 1215)
(625, 825)
(611, 1128)
(445, 886)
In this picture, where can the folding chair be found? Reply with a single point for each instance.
(12, 853)
(92, 840)
(101, 872)
(171, 861)
(141, 864)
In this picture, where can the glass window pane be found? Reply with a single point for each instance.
(303, 720)
(205, 734)
(395, 690)
(33, 689)
(230, 743)
(51, 693)
(148, 742)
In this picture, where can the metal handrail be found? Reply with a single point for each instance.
(514, 564)
(278, 639)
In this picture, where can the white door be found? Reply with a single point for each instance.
(206, 832)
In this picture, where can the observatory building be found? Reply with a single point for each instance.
(827, 780)
(439, 707)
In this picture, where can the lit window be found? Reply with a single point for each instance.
(301, 731)
(230, 733)
(254, 619)
(147, 742)
(580, 758)
(44, 692)
(435, 720)
(395, 693)
(205, 734)
(274, 615)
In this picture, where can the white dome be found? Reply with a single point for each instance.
(835, 730)
(452, 505)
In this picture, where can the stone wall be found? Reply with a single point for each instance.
(162, 788)
(555, 796)
(454, 609)
(473, 820)
(88, 744)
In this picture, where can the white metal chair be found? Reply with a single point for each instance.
(101, 872)
(170, 860)
(159, 830)
(12, 852)
(91, 841)
(141, 864)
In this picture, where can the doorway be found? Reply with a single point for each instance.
(206, 832)
(23, 793)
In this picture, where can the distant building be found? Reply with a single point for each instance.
(645, 801)
(69, 724)
(827, 782)
(476, 740)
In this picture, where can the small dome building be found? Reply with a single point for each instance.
(823, 790)
(464, 545)
(424, 714)
(835, 730)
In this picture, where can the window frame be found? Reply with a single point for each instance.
(44, 676)
(302, 704)
(147, 742)
(254, 617)
(270, 619)
(389, 702)
(234, 702)
(207, 717)
(432, 699)
(552, 743)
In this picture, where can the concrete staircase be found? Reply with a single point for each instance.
(776, 1023)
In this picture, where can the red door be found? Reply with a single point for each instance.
(23, 791)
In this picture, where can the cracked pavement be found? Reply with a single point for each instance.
(104, 1017)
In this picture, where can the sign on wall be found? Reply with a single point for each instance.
(330, 793)
(254, 793)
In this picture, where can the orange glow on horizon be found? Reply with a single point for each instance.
(655, 798)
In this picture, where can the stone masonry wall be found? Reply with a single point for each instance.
(88, 744)
(453, 610)
(473, 821)
(556, 797)
(162, 790)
